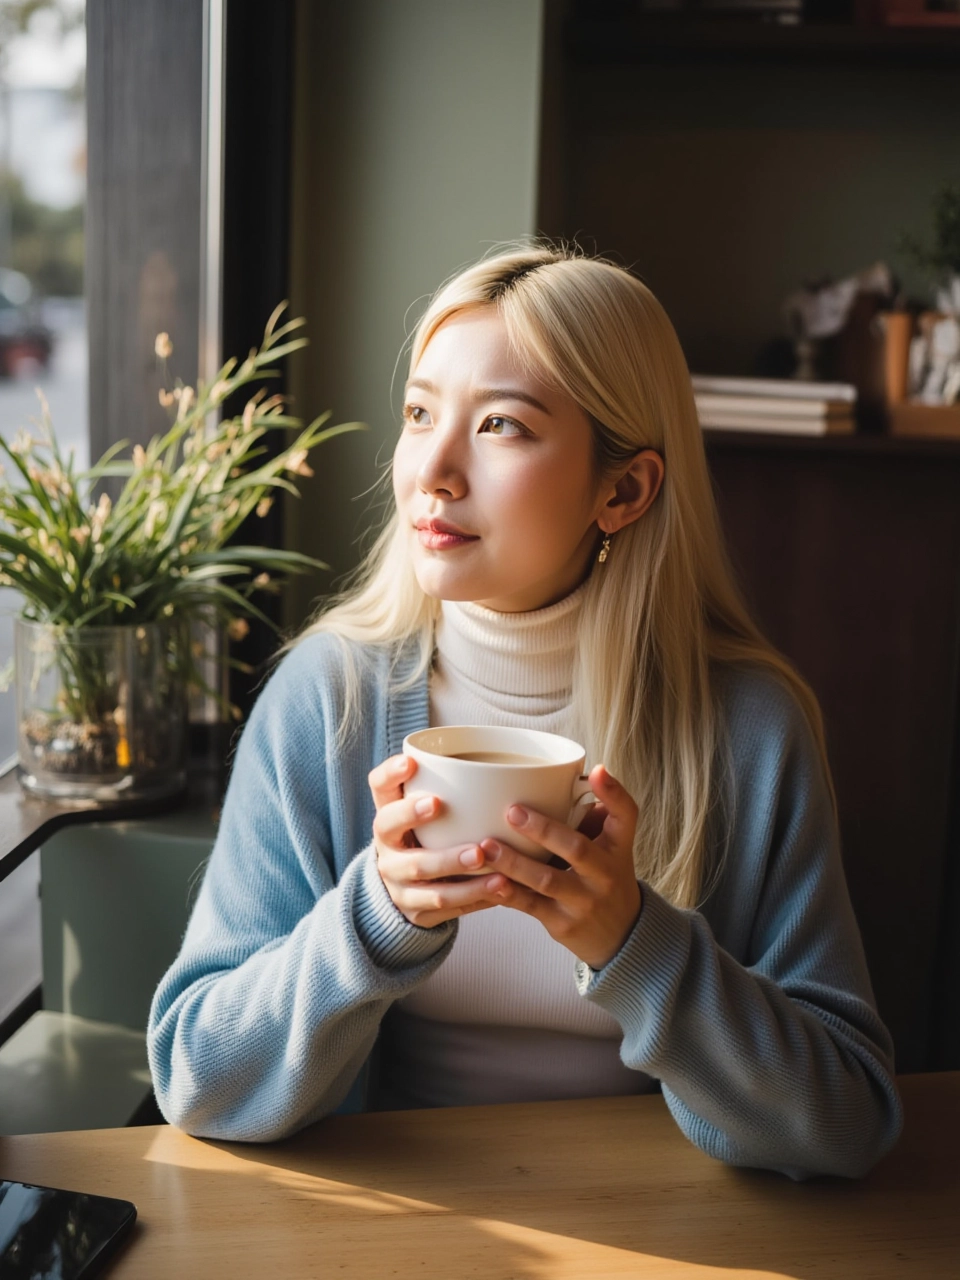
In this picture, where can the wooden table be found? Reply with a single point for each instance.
(547, 1191)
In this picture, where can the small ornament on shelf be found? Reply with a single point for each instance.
(832, 323)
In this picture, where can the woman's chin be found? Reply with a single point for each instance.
(448, 592)
(440, 584)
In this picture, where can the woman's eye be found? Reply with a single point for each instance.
(416, 414)
(497, 425)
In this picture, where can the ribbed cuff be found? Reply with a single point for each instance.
(388, 937)
(638, 986)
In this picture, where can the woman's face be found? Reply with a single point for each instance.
(494, 474)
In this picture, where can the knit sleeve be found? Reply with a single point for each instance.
(770, 1051)
(294, 949)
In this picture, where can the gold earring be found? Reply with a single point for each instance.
(604, 550)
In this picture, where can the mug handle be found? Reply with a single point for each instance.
(582, 800)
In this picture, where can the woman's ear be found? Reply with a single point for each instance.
(634, 492)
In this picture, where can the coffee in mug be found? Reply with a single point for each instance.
(478, 771)
(497, 757)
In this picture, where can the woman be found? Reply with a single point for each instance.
(554, 562)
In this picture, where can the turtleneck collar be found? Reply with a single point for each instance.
(505, 668)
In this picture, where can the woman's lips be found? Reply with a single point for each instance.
(435, 535)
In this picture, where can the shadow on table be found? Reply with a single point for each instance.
(532, 1206)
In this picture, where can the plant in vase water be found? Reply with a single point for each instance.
(110, 587)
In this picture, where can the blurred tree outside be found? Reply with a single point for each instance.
(46, 244)
(42, 242)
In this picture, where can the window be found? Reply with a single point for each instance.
(43, 336)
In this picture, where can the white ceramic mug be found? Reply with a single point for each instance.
(543, 771)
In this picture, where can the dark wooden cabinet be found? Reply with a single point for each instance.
(849, 553)
(727, 162)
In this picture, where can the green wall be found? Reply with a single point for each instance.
(727, 187)
(116, 897)
(416, 148)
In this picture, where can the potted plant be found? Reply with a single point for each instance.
(923, 350)
(940, 258)
(102, 655)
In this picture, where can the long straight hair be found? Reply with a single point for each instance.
(663, 611)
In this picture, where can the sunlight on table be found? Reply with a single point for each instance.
(532, 1254)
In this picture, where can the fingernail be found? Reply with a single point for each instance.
(517, 815)
(424, 807)
(491, 849)
(471, 858)
(401, 765)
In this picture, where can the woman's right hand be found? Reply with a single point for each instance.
(417, 879)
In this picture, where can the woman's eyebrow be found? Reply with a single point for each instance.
(485, 395)
(488, 394)
(422, 384)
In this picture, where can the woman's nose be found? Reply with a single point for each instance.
(440, 472)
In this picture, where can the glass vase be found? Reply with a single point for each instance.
(101, 711)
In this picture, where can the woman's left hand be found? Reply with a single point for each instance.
(592, 906)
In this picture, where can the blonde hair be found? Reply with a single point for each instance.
(664, 609)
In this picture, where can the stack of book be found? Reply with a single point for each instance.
(774, 404)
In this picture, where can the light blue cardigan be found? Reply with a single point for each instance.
(755, 1014)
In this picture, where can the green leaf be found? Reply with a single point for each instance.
(86, 618)
(94, 472)
(277, 353)
(266, 557)
(119, 598)
(214, 570)
(275, 314)
(341, 429)
(110, 469)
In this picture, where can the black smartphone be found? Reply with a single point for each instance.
(48, 1234)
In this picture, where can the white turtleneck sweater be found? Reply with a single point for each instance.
(501, 1019)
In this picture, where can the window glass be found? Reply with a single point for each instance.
(43, 336)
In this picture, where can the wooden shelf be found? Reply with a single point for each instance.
(864, 445)
(27, 822)
(688, 40)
